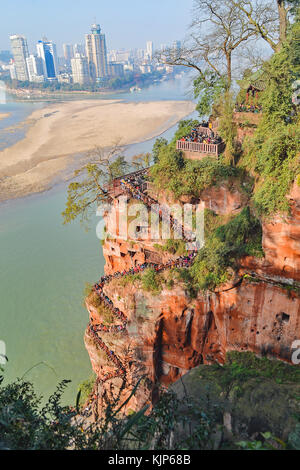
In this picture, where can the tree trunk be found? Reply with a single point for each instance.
(229, 67)
(283, 22)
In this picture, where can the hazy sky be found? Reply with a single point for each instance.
(126, 23)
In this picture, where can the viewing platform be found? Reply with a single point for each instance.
(195, 150)
(202, 142)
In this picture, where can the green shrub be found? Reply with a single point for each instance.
(129, 279)
(152, 281)
(190, 177)
(241, 236)
(174, 247)
(86, 388)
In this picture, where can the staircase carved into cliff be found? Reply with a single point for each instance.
(183, 261)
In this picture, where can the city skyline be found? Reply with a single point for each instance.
(83, 64)
(126, 26)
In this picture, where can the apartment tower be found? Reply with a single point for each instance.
(80, 69)
(96, 53)
(47, 52)
(20, 52)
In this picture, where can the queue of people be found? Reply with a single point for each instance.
(133, 185)
(247, 108)
(201, 137)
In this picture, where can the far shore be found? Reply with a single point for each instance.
(60, 135)
(24, 94)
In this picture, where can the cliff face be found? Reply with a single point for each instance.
(169, 333)
(281, 244)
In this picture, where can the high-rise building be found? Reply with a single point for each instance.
(140, 54)
(80, 69)
(12, 71)
(20, 52)
(96, 53)
(47, 52)
(149, 50)
(35, 68)
(176, 47)
(78, 49)
(68, 52)
(115, 69)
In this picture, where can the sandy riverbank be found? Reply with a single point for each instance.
(61, 133)
(4, 115)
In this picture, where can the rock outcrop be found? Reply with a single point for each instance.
(169, 333)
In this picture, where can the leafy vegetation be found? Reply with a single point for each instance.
(273, 153)
(172, 246)
(241, 236)
(85, 389)
(104, 312)
(239, 367)
(189, 177)
(176, 422)
(92, 180)
(151, 281)
(24, 425)
(115, 83)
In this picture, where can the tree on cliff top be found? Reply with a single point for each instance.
(272, 155)
(271, 21)
(92, 183)
(217, 31)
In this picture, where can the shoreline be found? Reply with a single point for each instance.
(34, 96)
(60, 134)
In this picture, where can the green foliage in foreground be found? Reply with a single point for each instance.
(24, 425)
(181, 423)
(241, 236)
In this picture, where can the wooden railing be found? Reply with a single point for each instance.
(204, 130)
(214, 149)
(115, 185)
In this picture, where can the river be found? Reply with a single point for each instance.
(45, 266)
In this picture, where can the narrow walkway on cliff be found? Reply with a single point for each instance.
(134, 186)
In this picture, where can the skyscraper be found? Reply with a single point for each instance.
(35, 68)
(115, 69)
(96, 53)
(20, 52)
(79, 49)
(47, 52)
(176, 47)
(149, 50)
(68, 52)
(80, 69)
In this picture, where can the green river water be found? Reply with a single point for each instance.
(44, 268)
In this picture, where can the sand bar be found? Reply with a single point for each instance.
(60, 131)
(4, 115)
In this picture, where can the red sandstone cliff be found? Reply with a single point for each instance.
(170, 333)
